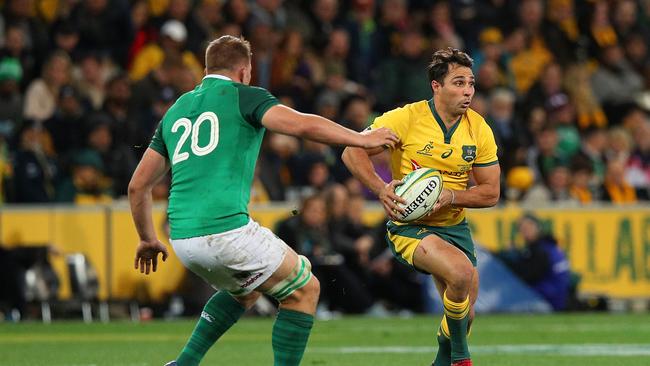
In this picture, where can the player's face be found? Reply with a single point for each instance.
(457, 91)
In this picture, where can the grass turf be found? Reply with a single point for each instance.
(566, 339)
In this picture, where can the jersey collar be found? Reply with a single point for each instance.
(216, 76)
(442, 125)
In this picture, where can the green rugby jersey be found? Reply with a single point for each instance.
(212, 137)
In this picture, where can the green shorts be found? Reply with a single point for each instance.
(404, 239)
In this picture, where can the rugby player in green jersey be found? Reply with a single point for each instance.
(210, 139)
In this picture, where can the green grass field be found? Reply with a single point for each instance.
(575, 339)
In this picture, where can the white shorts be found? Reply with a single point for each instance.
(237, 261)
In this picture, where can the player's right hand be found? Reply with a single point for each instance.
(381, 137)
(390, 200)
(146, 255)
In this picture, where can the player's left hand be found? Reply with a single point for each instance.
(146, 255)
(443, 201)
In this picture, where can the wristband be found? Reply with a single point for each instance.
(453, 198)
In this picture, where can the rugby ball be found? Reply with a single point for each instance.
(420, 190)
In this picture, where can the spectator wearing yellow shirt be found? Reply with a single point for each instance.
(171, 44)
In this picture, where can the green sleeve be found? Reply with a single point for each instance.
(157, 142)
(254, 102)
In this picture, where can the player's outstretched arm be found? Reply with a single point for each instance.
(357, 160)
(484, 194)
(151, 168)
(288, 121)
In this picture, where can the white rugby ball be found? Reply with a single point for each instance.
(420, 190)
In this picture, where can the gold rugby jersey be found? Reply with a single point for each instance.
(426, 143)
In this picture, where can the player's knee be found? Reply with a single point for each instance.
(306, 294)
(247, 301)
(461, 279)
(312, 290)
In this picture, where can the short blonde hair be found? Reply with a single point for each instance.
(227, 52)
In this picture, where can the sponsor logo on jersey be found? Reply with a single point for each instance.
(426, 150)
(453, 174)
(469, 152)
(415, 165)
(446, 154)
(421, 197)
(251, 280)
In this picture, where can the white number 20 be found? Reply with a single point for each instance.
(189, 129)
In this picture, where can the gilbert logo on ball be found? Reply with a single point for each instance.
(421, 190)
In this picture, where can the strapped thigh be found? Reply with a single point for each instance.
(298, 278)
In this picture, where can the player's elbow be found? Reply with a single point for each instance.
(348, 156)
(136, 186)
(493, 198)
(345, 156)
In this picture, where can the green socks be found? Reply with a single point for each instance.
(443, 357)
(457, 316)
(219, 314)
(290, 334)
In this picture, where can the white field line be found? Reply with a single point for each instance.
(592, 349)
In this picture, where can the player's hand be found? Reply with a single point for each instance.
(146, 255)
(390, 200)
(443, 201)
(381, 137)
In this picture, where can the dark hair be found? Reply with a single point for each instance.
(439, 66)
(226, 52)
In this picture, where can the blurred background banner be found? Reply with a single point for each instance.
(608, 247)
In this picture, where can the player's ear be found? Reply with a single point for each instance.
(435, 85)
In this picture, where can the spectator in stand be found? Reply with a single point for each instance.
(440, 27)
(171, 44)
(118, 107)
(396, 89)
(555, 190)
(26, 35)
(364, 38)
(502, 120)
(540, 263)
(35, 170)
(66, 126)
(615, 188)
(147, 89)
(544, 157)
(323, 17)
(104, 26)
(87, 183)
(619, 145)
(626, 20)
(90, 79)
(11, 100)
(15, 47)
(350, 237)
(561, 114)
(143, 31)
(307, 233)
(42, 93)
(291, 70)
(581, 181)
(615, 82)
(66, 38)
(638, 168)
(117, 158)
(594, 143)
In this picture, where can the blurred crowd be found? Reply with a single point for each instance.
(565, 85)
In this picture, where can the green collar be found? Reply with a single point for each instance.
(442, 125)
